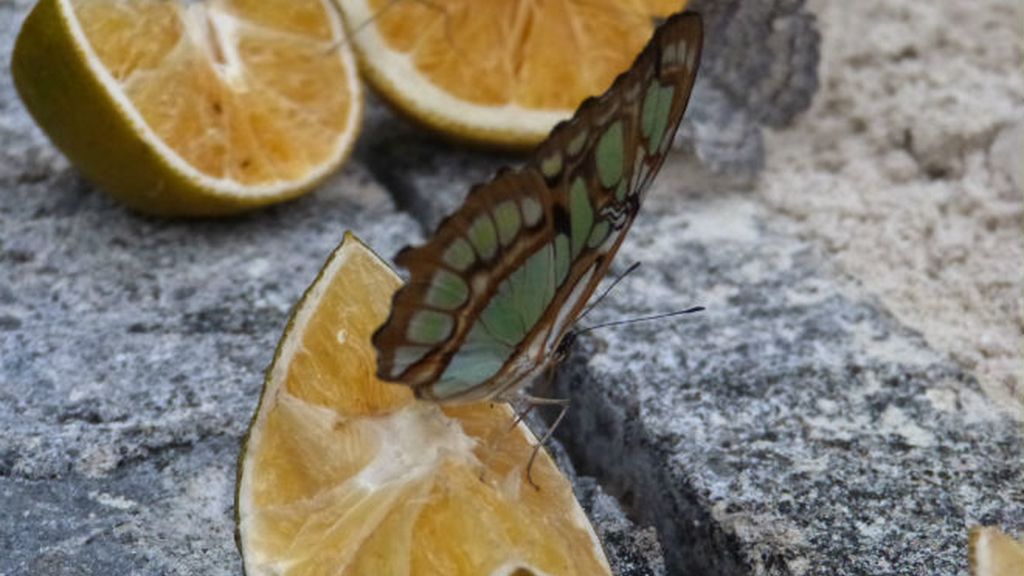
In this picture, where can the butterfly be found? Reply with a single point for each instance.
(494, 293)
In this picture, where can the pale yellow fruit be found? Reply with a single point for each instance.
(192, 108)
(343, 474)
(990, 552)
(497, 72)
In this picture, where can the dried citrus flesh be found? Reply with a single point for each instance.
(189, 107)
(991, 552)
(500, 72)
(344, 474)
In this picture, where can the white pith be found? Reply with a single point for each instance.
(413, 441)
(225, 24)
(416, 91)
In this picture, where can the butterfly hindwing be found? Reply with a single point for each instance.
(463, 281)
(501, 281)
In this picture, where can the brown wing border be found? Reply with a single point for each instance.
(421, 261)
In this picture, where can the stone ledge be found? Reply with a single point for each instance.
(167, 514)
(795, 427)
(131, 333)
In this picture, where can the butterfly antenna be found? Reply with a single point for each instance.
(614, 283)
(641, 319)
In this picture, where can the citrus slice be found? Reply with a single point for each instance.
(991, 552)
(344, 474)
(192, 108)
(501, 72)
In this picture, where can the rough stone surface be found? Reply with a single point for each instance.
(759, 68)
(132, 353)
(427, 176)
(908, 170)
(797, 427)
(127, 334)
(131, 358)
(632, 550)
(169, 513)
(794, 428)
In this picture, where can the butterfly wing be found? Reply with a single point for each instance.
(494, 290)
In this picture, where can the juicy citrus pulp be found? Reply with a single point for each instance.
(991, 552)
(187, 107)
(500, 72)
(344, 474)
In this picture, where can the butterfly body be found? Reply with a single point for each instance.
(494, 292)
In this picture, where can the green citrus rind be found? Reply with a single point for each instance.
(64, 90)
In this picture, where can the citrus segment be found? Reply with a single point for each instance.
(181, 107)
(344, 474)
(501, 72)
(991, 552)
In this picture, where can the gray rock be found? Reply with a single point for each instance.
(132, 353)
(721, 134)
(131, 361)
(426, 175)
(169, 513)
(762, 55)
(130, 334)
(795, 427)
(759, 68)
(631, 550)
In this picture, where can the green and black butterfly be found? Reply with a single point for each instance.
(493, 294)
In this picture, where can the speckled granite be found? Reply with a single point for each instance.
(132, 349)
(132, 353)
(131, 358)
(795, 427)
(759, 68)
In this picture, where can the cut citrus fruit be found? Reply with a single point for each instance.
(501, 72)
(192, 108)
(344, 474)
(991, 552)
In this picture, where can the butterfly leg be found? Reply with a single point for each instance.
(521, 415)
(533, 402)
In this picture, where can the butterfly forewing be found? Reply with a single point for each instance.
(494, 290)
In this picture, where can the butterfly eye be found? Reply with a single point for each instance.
(565, 345)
